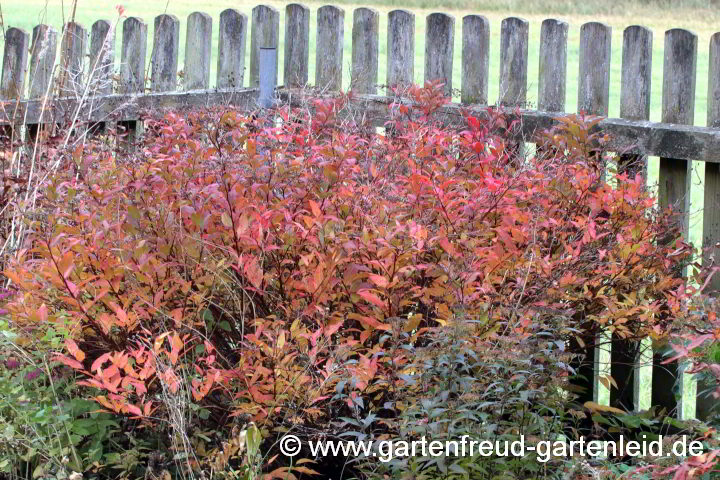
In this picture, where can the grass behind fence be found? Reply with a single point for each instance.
(658, 15)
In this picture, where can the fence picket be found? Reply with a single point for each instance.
(513, 61)
(297, 45)
(264, 33)
(365, 38)
(711, 209)
(400, 48)
(102, 57)
(133, 54)
(678, 106)
(329, 48)
(42, 60)
(231, 49)
(635, 88)
(72, 59)
(594, 76)
(475, 60)
(553, 65)
(14, 66)
(439, 46)
(165, 53)
(198, 51)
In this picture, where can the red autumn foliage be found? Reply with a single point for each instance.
(258, 261)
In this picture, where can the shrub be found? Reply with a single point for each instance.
(289, 270)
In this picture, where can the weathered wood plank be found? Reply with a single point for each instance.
(231, 49)
(365, 38)
(711, 209)
(102, 57)
(264, 32)
(133, 55)
(198, 51)
(594, 76)
(439, 47)
(401, 49)
(678, 106)
(635, 88)
(116, 107)
(553, 65)
(72, 59)
(329, 47)
(164, 58)
(513, 61)
(15, 64)
(42, 60)
(475, 60)
(633, 136)
(297, 45)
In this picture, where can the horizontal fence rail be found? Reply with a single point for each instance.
(50, 76)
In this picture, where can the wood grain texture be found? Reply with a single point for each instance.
(133, 55)
(439, 47)
(475, 60)
(513, 61)
(164, 58)
(594, 75)
(198, 51)
(329, 48)
(400, 48)
(365, 38)
(553, 66)
(231, 49)
(15, 64)
(265, 33)
(297, 45)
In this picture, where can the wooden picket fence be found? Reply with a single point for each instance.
(54, 90)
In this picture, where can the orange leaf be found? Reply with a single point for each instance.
(74, 350)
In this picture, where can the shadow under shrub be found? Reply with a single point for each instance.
(289, 270)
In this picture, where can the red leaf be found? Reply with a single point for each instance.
(372, 298)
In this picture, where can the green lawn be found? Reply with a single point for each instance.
(688, 14)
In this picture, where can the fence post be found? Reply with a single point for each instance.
(365, 32)
(635, 89)
(329, 47)
(711, 212)
(267, 71)
(475, 59)
(264, 32)
(439, 47)
(400, 48)
(297, 45)
(164, 56)
(678, 106)
(553, 65)
(198, 51)
(72, 59)
(231, 49)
